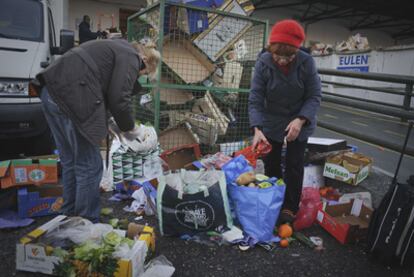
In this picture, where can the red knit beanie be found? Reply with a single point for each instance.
(287, 31)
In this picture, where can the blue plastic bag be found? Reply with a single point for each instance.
(256, 209)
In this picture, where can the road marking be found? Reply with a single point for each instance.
(389, 174)
(330, 116)
(359, 123)
(394, 133)
(381, 148)
(396, 121)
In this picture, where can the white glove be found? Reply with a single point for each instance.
(132, 134)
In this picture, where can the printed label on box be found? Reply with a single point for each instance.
(20, 175)
(335, 171)
(319, 217)
(363, 174)
(37, 175)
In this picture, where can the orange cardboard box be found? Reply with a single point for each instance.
(28, 172)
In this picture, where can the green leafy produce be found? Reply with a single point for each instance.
(59, 252)
(112, 239)
(107, 211)
(114, 222)
(84, 251)
(123, 223)
(128, 241)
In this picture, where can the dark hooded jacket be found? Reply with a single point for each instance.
(276, 99)
(91, 81)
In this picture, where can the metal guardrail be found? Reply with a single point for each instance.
(403, 111)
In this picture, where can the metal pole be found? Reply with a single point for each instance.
(158, 80)
(407, 98)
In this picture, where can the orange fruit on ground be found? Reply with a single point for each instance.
(284, 243)
(285, 231)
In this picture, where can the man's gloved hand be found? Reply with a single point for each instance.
(132, 134)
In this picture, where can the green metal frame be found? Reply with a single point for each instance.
(157, 85)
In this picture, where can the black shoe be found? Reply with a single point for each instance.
(286, 216)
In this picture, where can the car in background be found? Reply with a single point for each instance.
(27, 45)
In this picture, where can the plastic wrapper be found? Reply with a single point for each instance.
(79, 230)
(252, 155)
(159, 267)
(308, 208)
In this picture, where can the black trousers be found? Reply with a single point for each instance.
(293, 177)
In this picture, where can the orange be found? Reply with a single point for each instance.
(284, 243)
(285, 231)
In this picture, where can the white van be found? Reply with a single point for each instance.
(27, 45)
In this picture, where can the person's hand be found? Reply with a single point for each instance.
(293, 129)
(258, 137)
(132, 134)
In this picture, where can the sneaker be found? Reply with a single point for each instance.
(286, 216)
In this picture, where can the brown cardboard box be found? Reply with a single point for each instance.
(28, 171)
(183, 57)
(346, 222)
(207, 106)
(206, 128)
(351, 168)
(181, 134)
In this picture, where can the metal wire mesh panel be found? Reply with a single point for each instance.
(208, 57)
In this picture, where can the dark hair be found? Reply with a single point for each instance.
(86, 17)
(282, 49)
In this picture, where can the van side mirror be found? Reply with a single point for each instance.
(67, 41)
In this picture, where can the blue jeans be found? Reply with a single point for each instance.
(81, 163)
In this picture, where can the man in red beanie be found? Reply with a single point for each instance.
(284, 98)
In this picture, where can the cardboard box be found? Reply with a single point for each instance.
(182, 156)
(346, 222)
(223, 31)
(325, 144)
(28, 172)
(351, 168)
(35, 257)
(174, 96)
(206, 128)
(39, 201)
(208, 107)
(183, 57)
(181, 134)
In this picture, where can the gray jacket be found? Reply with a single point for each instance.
(276, 99)
(92, 79)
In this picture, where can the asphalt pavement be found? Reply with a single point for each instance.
(375, 126)
(209, 259)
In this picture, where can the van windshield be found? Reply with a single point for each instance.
(21, 19)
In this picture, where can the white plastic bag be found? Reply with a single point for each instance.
(159, 267)
(80, 230)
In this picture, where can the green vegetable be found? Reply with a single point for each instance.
(84, 251)
(280, 182)
(107, 211)
(59, 252)
(112, 239)
(123, 223)
(303, 239)
(114, 222)
(128, 241)
(261, 177)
